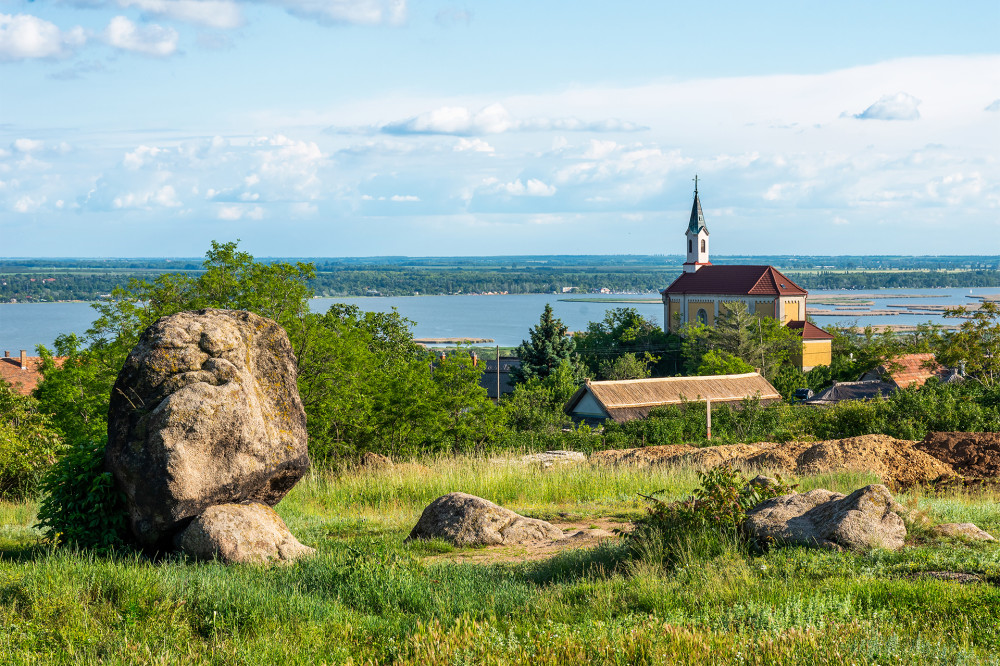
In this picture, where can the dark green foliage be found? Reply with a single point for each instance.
(626, 345)
(977, 343)
(706, 520)
(81, 506)
(537, 403)
(547, 348)
(720, 362)
(28, 443)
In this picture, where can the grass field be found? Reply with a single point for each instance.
(368, 598)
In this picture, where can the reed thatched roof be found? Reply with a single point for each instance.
(634, 398)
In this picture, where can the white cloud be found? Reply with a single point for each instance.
(404, 198)
(993, 106)
(164, 196)
(233, 213)
(532, 188)
(140, 156)
(23, 36)
(27, 145)
(898, 106)
(475, 145)
(210, 13)
(151, 40)
(28, 204)
(495, 119)
(360, 12)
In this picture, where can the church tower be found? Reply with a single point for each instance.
(697, 236)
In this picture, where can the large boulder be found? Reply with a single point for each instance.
(240, 534)
(204, 412)
(867, 518)
(467, 520)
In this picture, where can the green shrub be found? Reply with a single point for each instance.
(82, 506)
(28, 444)
(710, 517)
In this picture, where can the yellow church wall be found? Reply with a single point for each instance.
(793, 311)
(674, 316)
(707, 306)
(814, 353)
(764, 309)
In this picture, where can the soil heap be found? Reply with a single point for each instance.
(974, 455)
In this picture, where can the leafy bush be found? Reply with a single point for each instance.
(28, 443)
(704, 524)
(81, 506)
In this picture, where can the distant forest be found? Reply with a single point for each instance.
(40, 280)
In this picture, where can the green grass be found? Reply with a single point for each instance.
(368, 598)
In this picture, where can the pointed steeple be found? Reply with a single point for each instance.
(697, 222)
(697, 236)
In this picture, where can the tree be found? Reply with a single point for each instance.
(537, 403)
(626, 366)
(976, 343)
(547, 348)
(28, 443)
(77, 392)
(719, 362)
(624, 331)
(761, 342)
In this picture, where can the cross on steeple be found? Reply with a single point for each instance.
(696, 184)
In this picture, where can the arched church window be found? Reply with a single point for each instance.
(702, 244)
(702, 316)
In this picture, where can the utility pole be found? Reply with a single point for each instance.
(708, 418)
(498, 374)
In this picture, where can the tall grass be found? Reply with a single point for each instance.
(367, 598)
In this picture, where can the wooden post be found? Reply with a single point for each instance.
(498, 374)
(708, 418)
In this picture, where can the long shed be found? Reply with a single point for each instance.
(628, 399)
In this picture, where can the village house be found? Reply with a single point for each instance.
(700, 292)
(624, 400)
(21, 372)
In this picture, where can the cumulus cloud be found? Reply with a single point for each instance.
(495, 119)
(359, 12)
(993, 106)
(233, 213)
(474, 145)
(23, 36)
(899, 106)
(210, 13)
(151, 40)
(164, 196)
(405, 198)
(532, 188)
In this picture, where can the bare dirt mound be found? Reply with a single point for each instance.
(896, 461)
(647, 455)
(973, 455)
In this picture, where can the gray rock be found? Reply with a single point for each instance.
(467, 520)
(867, 518)
(964, 530)
(548, 458)
(204, 412)
(240, 534)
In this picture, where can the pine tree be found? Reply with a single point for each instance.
(547, 349)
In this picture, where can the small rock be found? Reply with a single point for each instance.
(372, 460)
(240, 533)
(467, 520)
(761, 481)
(549, 457)
(866, 518)
(965, 530)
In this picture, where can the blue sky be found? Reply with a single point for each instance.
(376, 127)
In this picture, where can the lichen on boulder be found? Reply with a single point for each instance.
(204, 412)
(467, 520)
(240, 534)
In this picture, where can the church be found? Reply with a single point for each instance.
(698, 294)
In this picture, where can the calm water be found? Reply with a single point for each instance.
(505, 319)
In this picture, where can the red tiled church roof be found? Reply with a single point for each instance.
(737, 281)
(808, 330)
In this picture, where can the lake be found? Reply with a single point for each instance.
(505, 319)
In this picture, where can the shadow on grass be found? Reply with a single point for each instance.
(602, 561)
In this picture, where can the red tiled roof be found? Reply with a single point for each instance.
(808, 330)
(736, 280)
(914, 369)
(23, 381)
